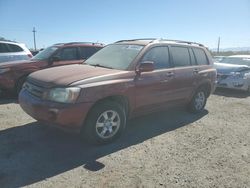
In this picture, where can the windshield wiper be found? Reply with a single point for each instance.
(98, 65)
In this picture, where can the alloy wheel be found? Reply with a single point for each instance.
(108, 124)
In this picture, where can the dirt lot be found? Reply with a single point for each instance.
(167, 149)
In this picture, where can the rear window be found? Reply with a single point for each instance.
(6, 48)
(181, 56)
(201, 57)
(14, 48)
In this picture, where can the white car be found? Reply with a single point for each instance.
(234, 72)
(12, 51)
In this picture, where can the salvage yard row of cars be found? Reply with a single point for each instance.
(234, 72)
(13, 73)
(119, 81)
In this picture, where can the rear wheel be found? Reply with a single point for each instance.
(198, 101)
(105, 123)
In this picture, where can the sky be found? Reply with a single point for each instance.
(107, 21)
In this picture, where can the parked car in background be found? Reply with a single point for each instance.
(234, 72)
(35, 52)
(14, 73)
(122, 80)
(11, 51)
(218, 58)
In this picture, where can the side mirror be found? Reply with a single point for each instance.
(145, 66)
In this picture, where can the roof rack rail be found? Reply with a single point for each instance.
(59, 44)
(128, 40)
(90, 43)
(182, 41)
(160, 39)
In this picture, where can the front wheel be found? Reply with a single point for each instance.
(105, 123)
(198, 101)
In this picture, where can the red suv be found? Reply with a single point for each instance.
(123, 80)
(13, 74)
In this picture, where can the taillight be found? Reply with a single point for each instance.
(30, 55)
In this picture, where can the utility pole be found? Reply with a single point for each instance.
(34, 36)
(218, 48)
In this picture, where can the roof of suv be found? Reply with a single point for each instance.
(79, 44)
(146, 41)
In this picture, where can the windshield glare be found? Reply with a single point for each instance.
(45, 54)
(236, 61)
(115, 56)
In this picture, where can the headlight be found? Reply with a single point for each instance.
(63, 95)
(236, 75)
(247, 75)
(4, 70)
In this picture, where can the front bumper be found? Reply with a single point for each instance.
(66, 116)
(231, 83)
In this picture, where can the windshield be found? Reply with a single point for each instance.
(236, 60)
(45, 54)
(115, 56)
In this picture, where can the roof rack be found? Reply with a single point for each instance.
(157, 39)
(151, 39)
(89, 43)
(182, 41)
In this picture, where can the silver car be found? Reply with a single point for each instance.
(234, 72)
(12, 51)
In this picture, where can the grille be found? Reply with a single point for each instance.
(34, 89)
(222, 76)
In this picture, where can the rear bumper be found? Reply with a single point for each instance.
(69, 117)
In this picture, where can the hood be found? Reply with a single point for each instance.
(66, 75)
(224, 68)
(14, 63)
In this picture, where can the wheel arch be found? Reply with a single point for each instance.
(20, 79)
(207, 87)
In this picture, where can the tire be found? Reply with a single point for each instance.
(198, 101)
(105, 123)
(19, 85)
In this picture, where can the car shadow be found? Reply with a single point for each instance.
(231, 93)
(33, 152)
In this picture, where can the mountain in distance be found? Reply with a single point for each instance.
(234, 49)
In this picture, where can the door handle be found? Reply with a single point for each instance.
(170, 74)
(196, 71)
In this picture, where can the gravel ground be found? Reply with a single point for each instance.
(166, 149)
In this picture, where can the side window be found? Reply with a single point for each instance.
(15, 48)
(3, 48)
(68, 54)
(86, 52)
(159, 55)
(181, 56)
(192, 56)
(201, 57)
